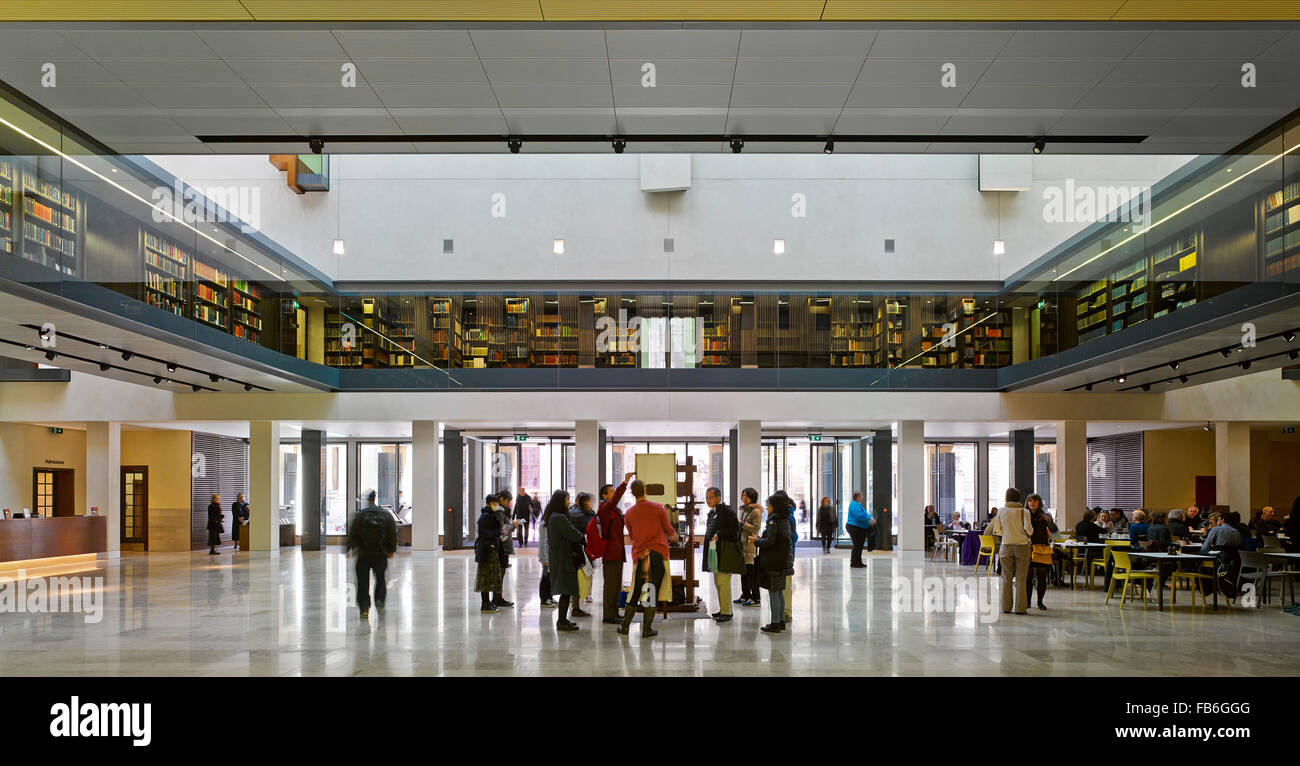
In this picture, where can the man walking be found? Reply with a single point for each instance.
(610, 519)
(1012, 524)
(651, 531)
(373, 534)
(857, 524)
(522, 513)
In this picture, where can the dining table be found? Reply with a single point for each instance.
(1163, 560)
(1290, 559)
(1068, 545)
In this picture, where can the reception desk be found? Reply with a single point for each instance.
(28, 539)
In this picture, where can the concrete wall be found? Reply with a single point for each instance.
(25, 447)
(1171, 461)
(167, 454)
(394, 211)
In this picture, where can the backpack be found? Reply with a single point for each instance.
(371, 531)
(596, 539)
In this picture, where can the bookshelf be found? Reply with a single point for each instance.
(6, 207)
(987, 344)
(1174, 269)
(555, 333)
(1282, 230)
(211, 295)
(1090, 311)
(336, 354)
(399, 326)
(50, 219)
(1128, 295)
(166, 268)
(245, 314)
(445, 331)
(887, 333)
(850, 328)
(618, 340)
(715, 350)
(510, 345)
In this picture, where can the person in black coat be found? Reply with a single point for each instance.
(487, 581)
(776, 559)
(238, 517)
(828, 524)
(522, 513)
(214, 524)
(722, 524)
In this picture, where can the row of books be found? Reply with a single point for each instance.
(210, 314)
(65, 221)
(47, 238)
(210, 295)
(156, 244)
(210, 273)
(160, 283)
(153, 260)
(49, 191)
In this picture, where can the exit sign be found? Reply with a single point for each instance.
(1285, 429)
(814, 437)
(56, 430)
(521, 437)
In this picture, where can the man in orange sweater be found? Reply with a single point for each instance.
(650, 531)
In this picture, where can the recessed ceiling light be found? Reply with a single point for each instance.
(196, 387)
(1288, 336)
(338, 247)
(50, 355)
(1087, 387)
(778, 246)
(1183, 378)
(104, 366)
(157, 379)
(126, 356)
(1146, 387)
(557, 247)
(1225, 353)
(214, 377)
(248, 386)
(999, 246)
(1245, 365)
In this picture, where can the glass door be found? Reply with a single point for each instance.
(135, 505)
(824, 471)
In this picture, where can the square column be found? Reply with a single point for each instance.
(311, 505)
(426, 505)
(1022, 450)
(263, 528)
(586, 453)
(749, 457)
(104, 478)
(1232, 467)
(911, 486)
(1071, 472)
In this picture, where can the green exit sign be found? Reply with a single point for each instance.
(1285, 429)
(56, 430)
(521, 437)
(814, 437)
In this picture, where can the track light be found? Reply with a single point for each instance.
(737, 145)
(1174, 366)
(1293, 354)
(1288, 336)
(1088, 387)
(1121, 379)
(29, 348)
(50, 355)
(214, 377)
(1207, 426)
(104, 366)
(515, 145)
(196, 388)
(248, 386)
(1039, 145)
(126, 356)
(1146, 386)
(1183, 378)
(829, 148)
(103, 346)
(316, 145)
(1225, 353)
(619, 145)
(171, 367)
(1245, 365)
(157, 379)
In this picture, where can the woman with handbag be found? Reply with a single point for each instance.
(776, 559)
(566, 555)
(215, 527)
(581, 515)
(1040, 554)
(751, 521)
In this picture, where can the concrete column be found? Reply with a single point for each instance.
(911, 485)
(312, 469)
(733, 461)
(881, 499)
(453, 490)
(1022, 451)
(1232, 467)
(426, 506)
(263, 528)
(104, 478)
(1071, 472)
(600, 453)
(749, 456)
(586, 452)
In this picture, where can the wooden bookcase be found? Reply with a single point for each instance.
(1281, 214)
(445, 331)
(850, 332)
(40, 221)
(166, 267)
(245, 313)
(211, 304)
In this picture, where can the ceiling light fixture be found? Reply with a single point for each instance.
(126, 356)
(557, 247)
(737, 145)
(999, 246)
(1245, 365)
(105, 366)
(248, 386)
(1183, 378)
(1288, 336)
(316, 145)
(515, 145)
(1087, 387)
(1225, 353)
(1039, 145)
(1146, 386)
(778, 246)
(338, 247)
(157, 379)
(1294, 354)
(215, 378)
(1207, 426)
(829, 148)
(1121, 379)
(619, 145)
(196, 387)
(103, 347)
(1174, 366)
(50, 355)
(171, 367)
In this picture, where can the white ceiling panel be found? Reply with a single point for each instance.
(406, 43)
(1143, 96)
(210, 96)
(1072, 44)
(684, 120)
(547, 71)
(806, 43)
(225, 122)
(342, 121)
(138, 43)
(575, 120)
(553, 95)
(1030, 122)
(863, 121)
(410, 71)
(802, 71)
(539, 43)
(673, 95)
(393, 96)
(1045, 72)
(45, 44)
(919, 71)
(759, 121)
(674, 72)
(301, 72)
(947, 44)
(85, 96)
(657, 45)
(1173, 72)
(806, 96)
(907, 97)
(451, 121)
(196, 72)
(272, 44)
(74, 71)
(1025, 96)
(324, 96)
(1209, 43)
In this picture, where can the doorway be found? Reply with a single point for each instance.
(135, 506)
(54, 492)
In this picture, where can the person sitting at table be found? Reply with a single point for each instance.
(1177, 527)
(1193, 518)
(1158, 538)
(1087, 531)
(1233, 519)
(1137, 531)
(1220, 535)
(1266, 523)
(1118, 522)
(956, 522)
(931, 524)
(1103, 522)
(1292, 528)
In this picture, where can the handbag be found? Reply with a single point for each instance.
(730, 558)
(1041, 554)
(713, 558)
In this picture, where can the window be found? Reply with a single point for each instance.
(43, 495)
(950, 479)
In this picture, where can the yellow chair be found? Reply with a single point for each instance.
(1124, 571)
(1192, 577)
(1105, 558)
(986, 549)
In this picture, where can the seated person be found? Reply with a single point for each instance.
(1177, 527)
(1158, 538)
(1118, 523)
(1220, 535)
(1137, 532)
(1193, 518)
(1103, 522)
(1233, 519)
(1266, 523)
(1087, 530)
(956, 522)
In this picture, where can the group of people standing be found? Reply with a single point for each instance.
(757, 546)
(239, 515)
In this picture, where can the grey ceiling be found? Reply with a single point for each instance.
(152, 89)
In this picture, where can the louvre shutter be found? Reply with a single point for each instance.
(225, 472)
(1115, 472)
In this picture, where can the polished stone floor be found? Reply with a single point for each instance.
(236, 614)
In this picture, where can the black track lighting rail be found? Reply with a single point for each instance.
(128, 355)
(1176, 364)
(106, 366)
